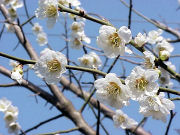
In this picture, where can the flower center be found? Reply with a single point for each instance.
(121, 119)
(113, 89)
(13, 127)
(115, 40)
(148, 63)
(77, 42)
(51, 11)
(75, 28)
(9, 117)
(150, 101)
(141, 83)
(54, 65)
(85, 61)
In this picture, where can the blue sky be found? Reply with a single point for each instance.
(31, 113)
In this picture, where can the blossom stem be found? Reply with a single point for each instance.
(59, 132)
(22, 61)
(81, 13)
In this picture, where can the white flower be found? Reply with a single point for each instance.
(37, 28)
(7, 2)
(164, 55)
(10, 117)
(17, 73)
(122, 120)
(74, 3)
(42, 38)
(96, 60)
(110, 90)
(86, 61)
(75, 43)
(17, 4)
(50, 66)
(113, 41)
(13, 127)
(12, 13)
(156, 106)
(154, 36)
(85, 38)
(4, 104)
(140, 39)
(12, 109)
(149, 59)
(141, 82)
(48, 9)
(163, 45)
(77, 27)
(78, 32)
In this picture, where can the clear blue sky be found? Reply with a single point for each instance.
(31, 113)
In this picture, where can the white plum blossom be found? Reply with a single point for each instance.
(77, 27)
(42, 38)
(164, 55)
(154, 36)
(9, 117)
(50, 66)
(149, 59)
(4, 104)
(122, 120)
(7, 2)
(74, 3)
(17, 4)
(13, 127)
(75, 42)
(12, 109)
(48, 9)
(111, 91)
(113, 41)
(17, 73)
(12, 13)
(140, 39)
(163, 46)
(37, 28)
(86, 61)
(142, 82)
(78, 35)
(156, 106)
(96, 60)
(90, 60)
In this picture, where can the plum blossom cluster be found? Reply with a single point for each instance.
(140, 86)
(50, 66)
(12, 6)
(162, 48)
(78, 35)
(113, 41)
(10, 116)
(17, 71)
(90, 60)
(41, 35)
